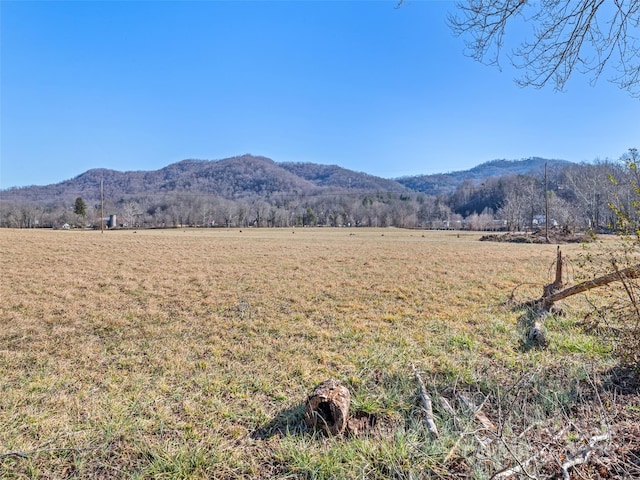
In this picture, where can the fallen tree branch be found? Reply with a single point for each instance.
(583, 455)
(426, 405)
(629, 272)
(551, 294)
(14, 454)
(512, 298)
(520, 468)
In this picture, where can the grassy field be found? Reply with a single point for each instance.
(189, 353)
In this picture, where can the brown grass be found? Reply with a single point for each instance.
(187, 353)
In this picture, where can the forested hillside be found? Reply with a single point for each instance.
(255, 191)
(444, 183)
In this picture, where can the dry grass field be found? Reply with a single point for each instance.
(189, 354)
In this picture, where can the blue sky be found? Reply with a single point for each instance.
(139, 85)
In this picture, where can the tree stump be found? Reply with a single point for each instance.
(327, 407)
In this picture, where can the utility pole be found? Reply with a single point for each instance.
(102, 205)
(546, 204)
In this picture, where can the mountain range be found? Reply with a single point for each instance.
(255, 176)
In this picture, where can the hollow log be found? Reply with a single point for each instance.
(327, 408)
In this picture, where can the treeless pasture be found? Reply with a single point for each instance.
(189, 353)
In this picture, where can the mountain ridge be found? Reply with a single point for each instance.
(445, 183)
(250, 176)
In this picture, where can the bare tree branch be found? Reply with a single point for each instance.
(583, 36)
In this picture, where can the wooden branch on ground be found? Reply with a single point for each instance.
(426, 405)
(483, 439)
(583, 455)
(520, 468)
(14, 454)
(630, 272)
(554, 292)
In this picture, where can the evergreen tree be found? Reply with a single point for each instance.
(80, 209)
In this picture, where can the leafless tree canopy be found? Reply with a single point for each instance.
(563, 37)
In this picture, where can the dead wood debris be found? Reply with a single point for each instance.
(427, 406)
(583, 455)
(327, 408)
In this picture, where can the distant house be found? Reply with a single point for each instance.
(541, 220)
(66, 226)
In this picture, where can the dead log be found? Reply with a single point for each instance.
(554, 292)
(627, 273)
(327, 408)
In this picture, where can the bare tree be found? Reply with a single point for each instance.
(562, 212)
(229, 212)
(206, 211)
(130, 211)
(523, 200)
(582, 36)
(590, 190)
(481, 222)
(260, 209)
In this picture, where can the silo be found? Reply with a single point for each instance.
(112, 221)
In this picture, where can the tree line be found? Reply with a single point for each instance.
(578, 197)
